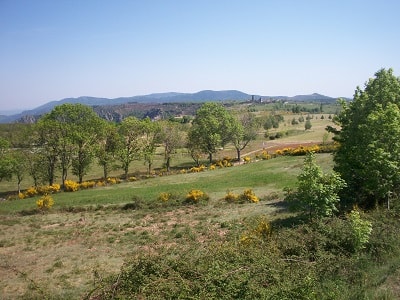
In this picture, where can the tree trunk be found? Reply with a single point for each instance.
(168, 164)
(238, 151)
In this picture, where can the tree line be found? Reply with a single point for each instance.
(72, 137)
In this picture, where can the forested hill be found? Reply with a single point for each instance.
(202, 96)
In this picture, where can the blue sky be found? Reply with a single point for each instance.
(54, 49)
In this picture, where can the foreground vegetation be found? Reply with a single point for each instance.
(122, 241)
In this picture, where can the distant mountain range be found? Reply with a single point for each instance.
(202, 96)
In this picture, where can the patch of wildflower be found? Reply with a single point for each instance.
(132, 178)
(21, 195)
(212, 167)
(45, 202)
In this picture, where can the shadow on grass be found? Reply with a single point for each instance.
(290, 221)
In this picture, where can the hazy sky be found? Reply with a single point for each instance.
(54, 49)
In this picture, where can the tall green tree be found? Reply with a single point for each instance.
(245, 130)
(68, 134)
(172, 137)
(131, 133)
(6, 162)
(107, 148)
(151, 135)
(212, 128)
(369, 155)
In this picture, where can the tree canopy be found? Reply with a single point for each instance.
(369, 155)
(212, 128)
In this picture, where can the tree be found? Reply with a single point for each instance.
(19, 166)
(369, 154)
(107, 148)
(317, 193)
(244, 131)
(68, 134)
(151, 135)
(212, 128)
(130, 132)
(6, 162)
(172, 138)
(307, 124)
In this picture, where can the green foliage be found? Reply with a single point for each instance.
(368, 158)
(272, 261)
(6, 161)
(316, 193)
(307, 125)
(361, 230)
(212, 128)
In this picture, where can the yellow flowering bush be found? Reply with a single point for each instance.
(21, 195)
(45, 202)
(164, 197)
(132, 178)
(71, 186)
(212, 167)
(248, 196)
(100, 183)
(87, 184)
(183, 171)
(30, 192)
(259, 232)
(198, 169)
(246, 159)
(48, 189)
(231, 197)
(195, 196)
(265, 155)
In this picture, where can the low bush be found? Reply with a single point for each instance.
(71, 186)
(196, 196)
(45, 202)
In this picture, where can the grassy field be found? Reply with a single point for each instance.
(88, 232)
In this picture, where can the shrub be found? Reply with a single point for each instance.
(258, 232)
(231, 197)
(132, 178)
(195, 196)
(164, 197)
(71, 186)
(100, 183)
(113, 180)
(198, 169)
(212, 167)
(45, 202)
(246, 159)
(30, 192)
(361, 230)
(248, 196)
(48, 189)
(87, 184)
(21, 195)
